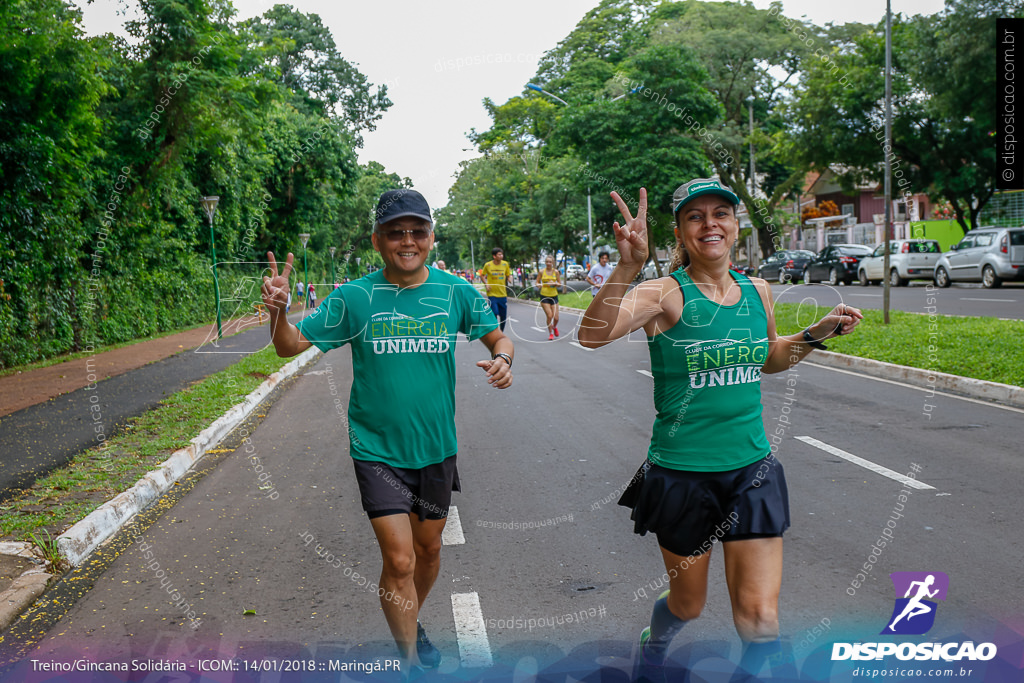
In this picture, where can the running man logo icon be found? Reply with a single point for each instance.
(914, 613)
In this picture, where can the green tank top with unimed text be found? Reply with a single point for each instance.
(707, 382)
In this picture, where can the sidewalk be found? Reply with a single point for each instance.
(23, 389)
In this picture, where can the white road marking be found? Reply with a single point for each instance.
(876, 296)
(646, 372)
(452, 532)
(866, 464)
(539, 329)
(513, 319)
(470, 630)
(577, 345)
(1003, 301)
(911, 386)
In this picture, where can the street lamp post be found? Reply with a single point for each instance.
(209, 205)
(590, 224)
(304, 237)
(332, 250)
(358, 272)
(534, 86)
(590, 231)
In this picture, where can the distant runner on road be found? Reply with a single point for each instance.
(548, 280)
(599, 273)
(402, 323)
(710, 472)
(496, 275)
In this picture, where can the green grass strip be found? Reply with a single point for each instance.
(983, 348)
(69, 493)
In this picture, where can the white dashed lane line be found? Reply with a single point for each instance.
(452, 532)
(646, 372)
(577, 345)
(470, 630)
(866, 464)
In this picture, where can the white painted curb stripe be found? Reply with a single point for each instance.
(81, 539)
(474, 648)
(867, 464)
(452, 532)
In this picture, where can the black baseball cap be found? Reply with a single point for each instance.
(398, 203)
(701, 186)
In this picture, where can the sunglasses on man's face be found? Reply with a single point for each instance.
(418, 234)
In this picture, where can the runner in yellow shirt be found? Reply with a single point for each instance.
(496, 275)
(549, 280)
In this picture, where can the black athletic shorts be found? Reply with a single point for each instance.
(387, 490)
(689, 511)
(549, 299)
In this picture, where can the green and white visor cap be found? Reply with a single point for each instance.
(699, 187)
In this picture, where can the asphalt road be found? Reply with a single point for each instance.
(551, 455)
(958, 299)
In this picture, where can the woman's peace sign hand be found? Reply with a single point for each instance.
(631, 236)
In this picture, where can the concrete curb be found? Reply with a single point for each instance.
(81, 539)
(1006, 394)
(24, 589)
(927, 379)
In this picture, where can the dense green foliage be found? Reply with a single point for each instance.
(106, 148)
(943, 99)
(657, 93)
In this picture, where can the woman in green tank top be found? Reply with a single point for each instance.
(710, 474)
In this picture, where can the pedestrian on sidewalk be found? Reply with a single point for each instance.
(300, 292)
(312, 295)
(710, 472)
(402, 323)
(497, 275)
(549, 280)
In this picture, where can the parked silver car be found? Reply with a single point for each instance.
(989, 255)
(908, 260)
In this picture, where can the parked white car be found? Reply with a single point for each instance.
(574, 271)
(908, 260)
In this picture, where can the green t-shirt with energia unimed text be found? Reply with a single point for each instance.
(402, 405)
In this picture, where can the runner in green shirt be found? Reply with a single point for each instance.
(710, 473)
(402, 323)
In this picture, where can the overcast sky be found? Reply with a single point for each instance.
(418, 49)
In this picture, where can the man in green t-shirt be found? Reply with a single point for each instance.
(402, 323)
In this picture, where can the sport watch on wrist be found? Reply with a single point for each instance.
(812, 342)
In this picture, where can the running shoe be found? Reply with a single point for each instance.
(551, 337)
(430, 656)
(647, 671)
(556, 331)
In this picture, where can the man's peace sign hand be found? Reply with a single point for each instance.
(275, 288)
(631, 236)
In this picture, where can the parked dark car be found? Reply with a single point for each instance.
(785, 266)
(836, 263)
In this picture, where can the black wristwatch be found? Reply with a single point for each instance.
(812, 342)
(504, 356)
